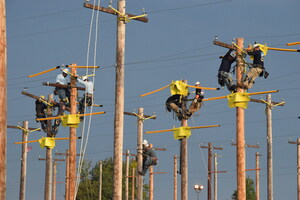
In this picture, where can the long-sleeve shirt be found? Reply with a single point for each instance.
(258, 57)
(89, 86)
(227, 60)
(61, 79)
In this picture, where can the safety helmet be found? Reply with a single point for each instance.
(84, 78)
(255, 45)
(42, 96)
(145, 143)
(66, 71)
(197, 83)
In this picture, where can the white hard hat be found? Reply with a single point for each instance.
(197, 83)
(66, 71)
(145, 143)
(255, 45)
(84, 78)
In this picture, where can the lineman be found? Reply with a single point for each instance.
(60, 112)
(40, 108)
(224, 75)
(63, 93)
(174, 103)
(197, 102)
(257, 68)
(87, 99)
(149, 157)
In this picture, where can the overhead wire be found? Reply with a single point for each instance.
(84, 139)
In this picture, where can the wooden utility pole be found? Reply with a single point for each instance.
(140, 127)
(67, 180)
(269, 148)
(132, 181)
(72, 142)
(100, 180)
(126, 175)
(240, 129)
(140, 153)
(54, 181)
(269, 106)
(23, 161)
(175, 177)
(184, 154)
(209, 167)
(151, 183)
(298, 166)
(24, 150)
(257, 175)
(48, 168)
(53, 175)
(3, 100)
(119, 88)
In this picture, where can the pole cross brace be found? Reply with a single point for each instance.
(27, 130)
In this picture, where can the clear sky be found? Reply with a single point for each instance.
(175, 44)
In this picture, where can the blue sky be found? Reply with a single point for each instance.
(175, 44)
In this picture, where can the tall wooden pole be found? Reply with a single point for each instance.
(184, 156)
(298, 169)
(100, 180)
(140, 154)
(67, 175)
(298, 166)
(72, 143)
(151, 182)
(119, 104)
(54, 181)
(3, 99)
(240, 129)
(23, 161)
(215, 176)
(132, 182)
(209, 167)
(175, 177)
(269, 148)
(48, 168)
(126, 175)
(257, 175)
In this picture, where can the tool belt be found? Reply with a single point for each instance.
(258, 66)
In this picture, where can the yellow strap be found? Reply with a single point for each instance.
(142, 95)
(26, 130)
(126, 18)
(43, 72)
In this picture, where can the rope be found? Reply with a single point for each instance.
(84, 143)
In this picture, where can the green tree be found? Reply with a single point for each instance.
(250, 190)
(89, 181)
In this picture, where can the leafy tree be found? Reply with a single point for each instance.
(250, 190)
(89, 181)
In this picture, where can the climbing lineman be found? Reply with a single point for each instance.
(149, 157)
